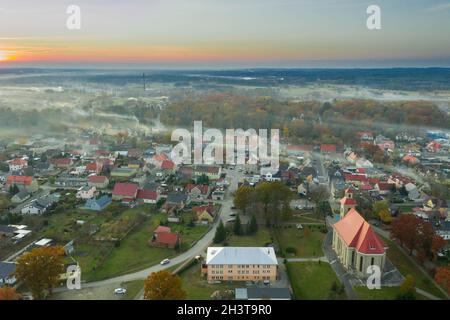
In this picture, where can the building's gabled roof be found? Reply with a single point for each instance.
(202, 187)
(125, 189)
(241, 255)
(26, 180)
(348, 201)
(168, 238)
(147, 194)
(101, 202)
(97, 179)
(328, 148)
(162, 229)
(167, 165)
(357, 233)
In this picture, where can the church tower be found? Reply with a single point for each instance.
(347, 202)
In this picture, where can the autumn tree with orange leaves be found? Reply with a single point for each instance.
(414, 234)
(442, 277)
(163, 285)
(40, 270)
(9, 293)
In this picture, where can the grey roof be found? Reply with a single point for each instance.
(7, 229)
(176, 197)
(23, 194)
(268, 293)
(241, 255)
(6, 269)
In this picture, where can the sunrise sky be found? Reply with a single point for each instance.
(218, 33)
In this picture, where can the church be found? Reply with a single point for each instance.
(354, 241)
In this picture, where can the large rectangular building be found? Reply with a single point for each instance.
(240, 264)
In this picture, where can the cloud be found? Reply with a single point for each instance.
(439, 7)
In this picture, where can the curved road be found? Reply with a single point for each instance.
(198, 249)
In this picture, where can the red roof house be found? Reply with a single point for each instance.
(328, 148)
(167, 165)
(125, 190)
(148, 196)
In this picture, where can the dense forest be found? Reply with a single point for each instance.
(312, 121)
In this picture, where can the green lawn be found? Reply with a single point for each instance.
(311, 280)
(385, 293)
(134, 253)
(307, 243)
(197, 288)
(133, 289)
(406, 267)
(260, 239)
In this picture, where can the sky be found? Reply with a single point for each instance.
(224, 33)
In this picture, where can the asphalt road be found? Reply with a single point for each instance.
(199, 248)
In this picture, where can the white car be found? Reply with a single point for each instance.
(165, 261)
(120, 291)
(299, 226)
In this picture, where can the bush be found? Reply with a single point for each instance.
(291, 250)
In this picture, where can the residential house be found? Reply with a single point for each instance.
(164, 238)
(204, 213)
(328, 148)
(7, 270)
(168, 166)
(17, 164)
(99, 182)
(211, 171)
(61, 163)
(240, 264)
(384, 143)
(38, 206)
(67, 181)
(384, 188)
(123, 191)
(365, 135)
(97, 204)
(357, 245)
(86, 192)
(410, 159)
(27, 183)
(148, 196)
(197, 192)
(175, 201)
(218, 194)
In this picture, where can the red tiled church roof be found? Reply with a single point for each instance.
(357, 233)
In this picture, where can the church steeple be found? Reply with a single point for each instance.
(347, 202)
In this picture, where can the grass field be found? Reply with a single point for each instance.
(260, 239)
(311, 280)
(307, 243)
(385, 293)
(197, 288)
(406, 267)
(134, 253)
(133, 289)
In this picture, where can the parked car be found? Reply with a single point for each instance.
(299, 226)
(120, 291)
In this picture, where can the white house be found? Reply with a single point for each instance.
(86, 192)
(17, 164)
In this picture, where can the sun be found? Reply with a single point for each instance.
(4, 56)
